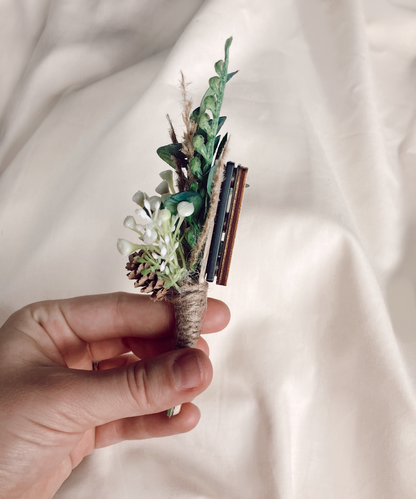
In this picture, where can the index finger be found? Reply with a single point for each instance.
(119, 315)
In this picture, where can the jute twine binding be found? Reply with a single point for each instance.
(189, 305)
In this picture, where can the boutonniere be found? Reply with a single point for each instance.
(185, 233)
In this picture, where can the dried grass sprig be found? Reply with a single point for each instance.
(172, 133)
(190, 125)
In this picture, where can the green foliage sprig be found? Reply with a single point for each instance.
(198, 169)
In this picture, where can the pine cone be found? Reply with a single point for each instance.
(148, 283)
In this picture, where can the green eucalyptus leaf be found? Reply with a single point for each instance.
(194, 187)
(195, 166)
(192, 197)
(198, 141)
(170, 152)
(200, 146)
(203, 123)
(210, 103)
(219, 67)
(214, 84)
(202, 107)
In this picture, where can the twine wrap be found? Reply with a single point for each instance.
(189, 305)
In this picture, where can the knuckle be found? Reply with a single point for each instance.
(139, 386)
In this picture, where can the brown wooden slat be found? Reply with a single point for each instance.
(231, 231)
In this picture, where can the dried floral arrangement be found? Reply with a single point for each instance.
(175, 227)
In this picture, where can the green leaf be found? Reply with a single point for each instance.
(222, 145)
(195, 166)
(211, 178)
(210, 103)
(192, 197)
(200, 146)
(145, 271)
(191, 236)
(228, 42)
(202, 107)
(214, 84)
(230, 75)
(194, 187)
(194, 115)
(221, 121)
(203, 123)
(170, 152)
(219, 67)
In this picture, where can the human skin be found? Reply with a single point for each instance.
(55, 410)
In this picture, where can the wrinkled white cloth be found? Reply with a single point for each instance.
(314, 379)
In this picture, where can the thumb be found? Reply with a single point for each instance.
(85, 399)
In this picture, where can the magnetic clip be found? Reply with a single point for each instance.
(226, 221)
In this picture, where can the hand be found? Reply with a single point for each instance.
(54, 409)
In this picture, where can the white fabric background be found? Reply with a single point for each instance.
(314, 379)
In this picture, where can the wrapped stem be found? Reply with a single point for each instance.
(189, 305)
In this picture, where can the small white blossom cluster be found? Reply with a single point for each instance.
(158, 231)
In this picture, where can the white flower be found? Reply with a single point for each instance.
(139, 198)
(130, 223)
(142, 217)
(150, 235)
(164, 215)
(126, 248)
(162, 188)
(185, 209)
(168, 176)
(154, 203)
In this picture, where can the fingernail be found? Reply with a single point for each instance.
(187, 371)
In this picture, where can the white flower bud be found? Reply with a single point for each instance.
(150, 236)
(126, 248)
(164, 215)
(185, 209)
(168, 176)
(162, 188)
(147, 205)
(142, 217)
(139, 198)
(154, 202)
(130, 223)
